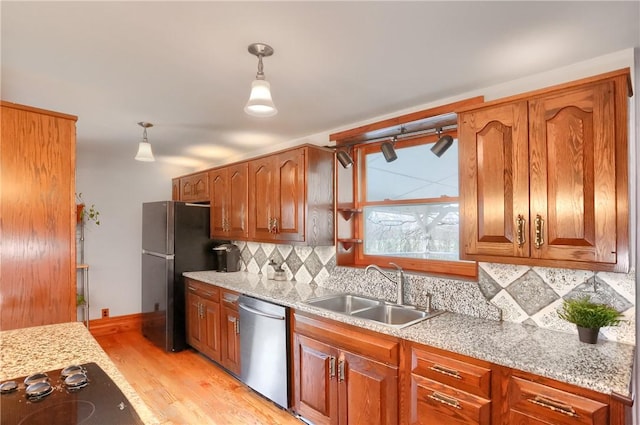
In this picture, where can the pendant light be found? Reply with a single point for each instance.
(144, 148)
(260, 103)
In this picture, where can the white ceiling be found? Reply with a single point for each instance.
(184, 66)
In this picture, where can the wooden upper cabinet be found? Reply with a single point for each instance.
(194, 188)
(175, 189)
(494, 179)
(291, 197)
(543, 177)
(38, 226)
(229, 202)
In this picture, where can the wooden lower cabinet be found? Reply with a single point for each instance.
(203, 319)
(231, 339)
(342, 376)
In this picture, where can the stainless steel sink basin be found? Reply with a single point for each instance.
(394, 315)
(379, 311)
(344, 303)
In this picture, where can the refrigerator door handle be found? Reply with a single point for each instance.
(159, 254)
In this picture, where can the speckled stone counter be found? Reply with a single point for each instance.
(44, 348)
(605, 367)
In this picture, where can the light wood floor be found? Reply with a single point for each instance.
(187, 388)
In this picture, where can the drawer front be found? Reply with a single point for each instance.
(229, 298)
(204, 290)
(549, 405)
(454, 373)
(434, 403)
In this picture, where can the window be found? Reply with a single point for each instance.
(410, 209)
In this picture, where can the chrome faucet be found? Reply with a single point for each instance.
(399, 279)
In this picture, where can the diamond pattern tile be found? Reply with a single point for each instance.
(562, 281)
(625, 332)
(548, 318)
(604, 294)
(253, 247)
(245, 254)
(260, 257)
(623, 283)
(511, 311)
(488, 286)
(532, 293)
(293, 262)
(252, 267)
(504, 274)
(325, 253)
(303, 275)
(303, 252)
(284, 250)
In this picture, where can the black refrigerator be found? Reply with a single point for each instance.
(175, 239)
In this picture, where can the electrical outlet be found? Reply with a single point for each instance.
(105, 312)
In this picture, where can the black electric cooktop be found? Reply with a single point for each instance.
(78, 394)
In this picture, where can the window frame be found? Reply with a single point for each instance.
(460, 268)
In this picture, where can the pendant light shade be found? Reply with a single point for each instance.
(260, 103)
(145, 153)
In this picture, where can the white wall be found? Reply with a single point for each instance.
(118, 186)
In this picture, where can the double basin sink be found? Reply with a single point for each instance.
(394, 315)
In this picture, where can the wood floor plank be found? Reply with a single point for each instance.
(187, 388)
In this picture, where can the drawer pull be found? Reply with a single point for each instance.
(192, 288)
(332, 367)
(208, 294)
(446, 371)
(444, 399)
(231, 298)
(554, 405)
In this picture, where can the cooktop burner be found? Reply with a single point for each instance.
(78, 394)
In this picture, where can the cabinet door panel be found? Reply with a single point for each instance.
(219, 207)
(369, 392)
(211, 339)
(573, 186)
(237, 211)
(315, 381)
(494, 180)
(194, 338)
(261, 190)
(290, 193)
(231, 338)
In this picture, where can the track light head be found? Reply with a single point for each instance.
(345, 160)
(441, 146)
(388, 151)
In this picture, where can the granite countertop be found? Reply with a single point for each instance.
(605, 367)
(44, 348)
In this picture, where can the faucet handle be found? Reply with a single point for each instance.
(396, 266)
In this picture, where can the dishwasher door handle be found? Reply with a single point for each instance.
(259, 313)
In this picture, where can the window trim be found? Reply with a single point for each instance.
(460, 268)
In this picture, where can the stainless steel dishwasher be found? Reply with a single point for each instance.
(264, 363)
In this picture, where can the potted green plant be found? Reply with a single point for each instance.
(589, 317)
(84, 214)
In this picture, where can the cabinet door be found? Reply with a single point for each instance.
(194, 313)
(315, 380)
(262, 198)
(231, 344)
(175, 189)
(289, 196)
(218, 186)
(368, 391)
(194, 188)
(237, 213)
(494, 181)
(210, 336)
(573, 174)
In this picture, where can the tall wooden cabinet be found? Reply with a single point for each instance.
(229, 199)
(543, 177)
(291, 197)
(38, 227)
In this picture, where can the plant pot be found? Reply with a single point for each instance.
(588, 335)
(79, 211)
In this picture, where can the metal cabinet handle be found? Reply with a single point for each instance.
(193, 288)
(201, 310)
(520, 223)
(445, 399)
(237, 327)
(273, 225)
(556, 406)
(539, 231)
(332, 367)
(341, 370)
(446, 371)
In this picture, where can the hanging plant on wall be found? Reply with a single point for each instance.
(85, 214)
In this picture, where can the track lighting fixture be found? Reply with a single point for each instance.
(144, 148)
(345, 159)
(388, 151)
(260, 103)
(443, 143)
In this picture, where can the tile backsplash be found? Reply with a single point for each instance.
(522, 294)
